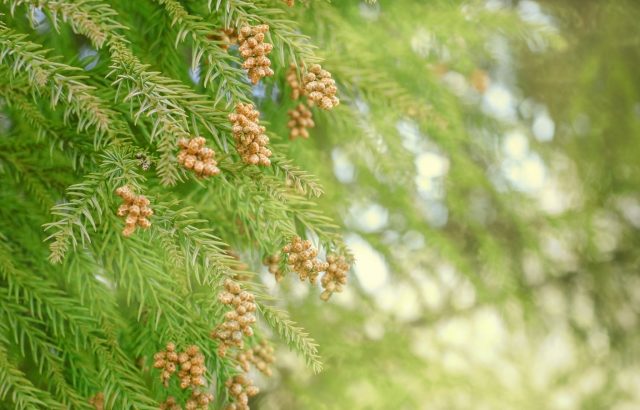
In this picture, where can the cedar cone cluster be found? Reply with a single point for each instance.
(170, 404)
(251, 141)
(135, 208)
(273, 264)
(261, 356)
(320, 88)
(294, 82)
(199, 400)
(335, 277)
(254, 51)
(191, 368)
(97, 401)
(240, 388)
(166, 360)
(237, 323)
(301, 258)
(194, 155)
(191, 364)
(300, 119)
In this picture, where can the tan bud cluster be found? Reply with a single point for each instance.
(240, 388)
(300, 120)
(254, 51)
(290, 3)
(135, 209)
(260, 356)
(170, 404)
(250, 138)
(335, 277)
(301, 258)
(192, 368)
(273, 264)
(237, 323)
(320, 88)
(199, 400)
(294, 82)
(191, 375)
(97, 401)
(167, 361)
(194, 155)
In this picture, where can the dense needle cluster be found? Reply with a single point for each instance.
(135, 209)
(301, 258)
(320, 88)
(254, 51)
(335, 277)
(300, 120)
(251, 140)
(237, 322)
(195, 156)
(260, 356)
(240, 388)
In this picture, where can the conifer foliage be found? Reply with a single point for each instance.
(129, 165)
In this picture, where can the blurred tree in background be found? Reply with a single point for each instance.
(481, 169)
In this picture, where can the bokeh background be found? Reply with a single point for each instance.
(490, 186)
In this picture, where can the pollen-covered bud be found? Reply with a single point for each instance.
(320, 88)
(300, 120)
(254, 51)
(251, 140)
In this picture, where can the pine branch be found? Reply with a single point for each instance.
(301, 180)
(76, 148)
(63, 315)
(290, 45)
(218, 64)
(27, 330)
(63, 85)
(294, 336)
(24, 394)
(85, 208)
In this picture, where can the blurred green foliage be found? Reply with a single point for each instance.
(507, 217)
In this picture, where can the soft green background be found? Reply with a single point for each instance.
(496, 230)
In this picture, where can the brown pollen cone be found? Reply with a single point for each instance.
(254, 51)
(251, 140)
(237, 322)
(300, 120)
(335, 277)
(135, 210)
(195, 156)
(320, 88)
(301, 258)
